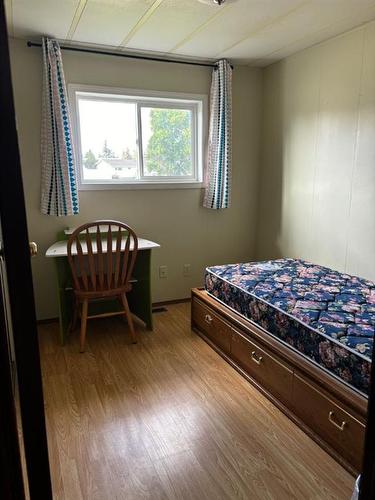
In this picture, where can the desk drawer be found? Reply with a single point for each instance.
(271, 373)
(337, 427)
(211, 325)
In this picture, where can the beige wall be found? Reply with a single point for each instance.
(317, 192)
(187, 232)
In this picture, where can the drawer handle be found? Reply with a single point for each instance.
(255, 358)
(331, 418)
(208, 319)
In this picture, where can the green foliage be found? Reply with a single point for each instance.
(106, 151)
(169, 147)
(90, 160)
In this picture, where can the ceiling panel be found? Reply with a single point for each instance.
(244, 31)
(237, 22)
(170, 23)
(43, 17)
(310, 39)
(107, 22)
(308, 20)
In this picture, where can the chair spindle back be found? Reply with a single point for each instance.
(102, 260)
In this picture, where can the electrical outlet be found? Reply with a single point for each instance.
(186, 270)
(163, 272)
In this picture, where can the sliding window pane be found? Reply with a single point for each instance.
(108, 134)
(167, 142)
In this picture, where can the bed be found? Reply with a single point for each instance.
(303, 335)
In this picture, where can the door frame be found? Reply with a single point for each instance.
(11, 478)
(20, 287)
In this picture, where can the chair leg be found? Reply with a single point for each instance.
(83, 325)
(128, 315)
(75, 316)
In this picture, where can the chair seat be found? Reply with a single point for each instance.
(94, 293)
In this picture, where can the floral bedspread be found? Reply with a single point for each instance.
(325, 315)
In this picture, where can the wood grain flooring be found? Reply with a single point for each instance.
(167, 418)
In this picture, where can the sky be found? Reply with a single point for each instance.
(111, 121)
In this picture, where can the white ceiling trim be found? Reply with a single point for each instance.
(223, 8)
(265, 26)
(76, 18)
(141, 22)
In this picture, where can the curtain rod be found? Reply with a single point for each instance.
(130, 56)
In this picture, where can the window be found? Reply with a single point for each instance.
(131, 138)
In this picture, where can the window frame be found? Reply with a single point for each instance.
(196, 103)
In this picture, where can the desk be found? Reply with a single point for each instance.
(139, 298)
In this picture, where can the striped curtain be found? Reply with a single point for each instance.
(218, 172)
(59, 195)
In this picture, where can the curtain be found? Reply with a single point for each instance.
(59, 195)
(219, 158)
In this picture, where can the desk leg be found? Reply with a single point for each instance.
(64, 297)
(140, 297)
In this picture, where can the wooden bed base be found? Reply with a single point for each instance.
(328, 410)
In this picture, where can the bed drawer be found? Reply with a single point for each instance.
(271, 373)
(337, 427)
(211, 325)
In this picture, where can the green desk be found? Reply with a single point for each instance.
(139, 298)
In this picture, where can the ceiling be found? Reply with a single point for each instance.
(255, 32)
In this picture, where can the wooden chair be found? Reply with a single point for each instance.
(102, 264)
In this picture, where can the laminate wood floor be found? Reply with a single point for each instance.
(168, 418)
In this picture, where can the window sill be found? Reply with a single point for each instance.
(141, 185)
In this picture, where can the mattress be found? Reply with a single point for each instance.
(327, 316)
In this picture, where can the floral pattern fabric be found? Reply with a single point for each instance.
(325, 315)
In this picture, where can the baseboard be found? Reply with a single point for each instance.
(47, 321)
(154, 304)
(169, 302)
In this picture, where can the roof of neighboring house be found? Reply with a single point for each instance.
(118, 162)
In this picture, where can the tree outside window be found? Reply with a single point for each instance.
(169, 147)
(90, 160)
